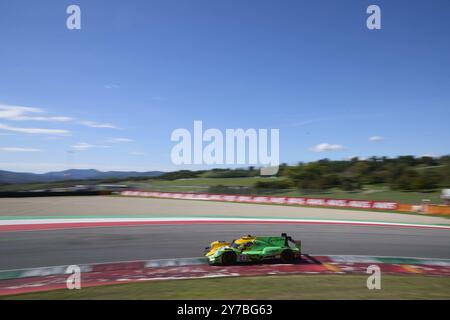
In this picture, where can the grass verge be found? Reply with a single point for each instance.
(266, 287)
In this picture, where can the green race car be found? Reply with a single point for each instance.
(253, 249)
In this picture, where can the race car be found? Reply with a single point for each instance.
(253, 249)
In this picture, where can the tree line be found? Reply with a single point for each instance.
(406, 173)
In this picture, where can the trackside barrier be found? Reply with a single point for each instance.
(326, 202)
(437, 209)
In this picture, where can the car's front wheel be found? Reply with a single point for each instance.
(287, 256)
(228, 258)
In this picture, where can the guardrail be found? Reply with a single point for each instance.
(326, 202)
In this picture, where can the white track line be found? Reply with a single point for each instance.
(59, 221)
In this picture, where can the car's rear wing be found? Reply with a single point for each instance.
(288, 239)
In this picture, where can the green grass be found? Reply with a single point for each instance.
(197, 183)
(267, 287)
(40, 186)
(25, 186)
(381, 195)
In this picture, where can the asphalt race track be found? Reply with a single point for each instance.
(108, 244)
(126, 206)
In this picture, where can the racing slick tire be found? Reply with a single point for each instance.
(287, 256)
(229, 258)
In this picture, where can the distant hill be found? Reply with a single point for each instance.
(72, 174)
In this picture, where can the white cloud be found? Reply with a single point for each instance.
(18, 149)
(93, 124)
(119, 140)
(9, 112)
(323, 147)
(81, 146)
(16, 113)
(34, 130)
(376, 138)
(111, 86)
(57, 119)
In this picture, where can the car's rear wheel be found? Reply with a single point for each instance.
(228, 258)
(287, 256)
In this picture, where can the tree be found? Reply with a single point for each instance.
(349, 184)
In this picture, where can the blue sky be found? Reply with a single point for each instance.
(108, 96)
